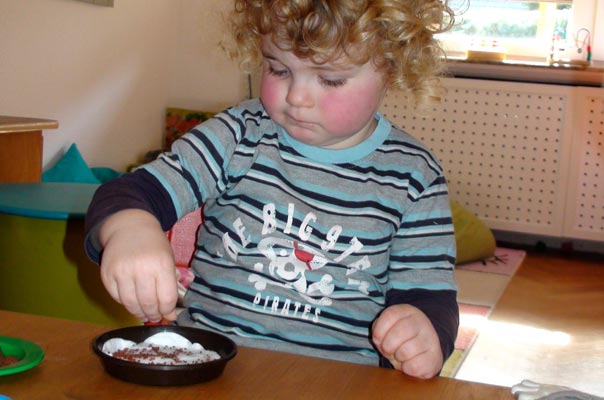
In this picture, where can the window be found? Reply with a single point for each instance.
(523, 30)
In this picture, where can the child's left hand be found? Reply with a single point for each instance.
(406, 337)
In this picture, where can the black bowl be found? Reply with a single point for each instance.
(166, 375)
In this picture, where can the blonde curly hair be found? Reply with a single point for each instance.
(396, 35)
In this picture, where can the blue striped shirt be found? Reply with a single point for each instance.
(302, 247)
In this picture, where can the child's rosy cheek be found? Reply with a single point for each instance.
(269, 93)
(336, 106)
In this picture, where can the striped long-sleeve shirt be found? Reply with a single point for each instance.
(301, 247)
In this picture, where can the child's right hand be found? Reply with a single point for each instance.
(137, 266)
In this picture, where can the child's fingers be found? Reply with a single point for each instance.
(404, 348)
(387, 319)
(392, 328)
(122, 291)
(146, 294)
(111, 287)
(422, 366)
(400, 345)
(412, 359)
(167, 295)
(396, 364)
(127, 295)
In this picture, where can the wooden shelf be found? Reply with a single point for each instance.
(21, 146)
(24, 124)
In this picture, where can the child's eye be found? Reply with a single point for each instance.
(277, 72)
(333, 82)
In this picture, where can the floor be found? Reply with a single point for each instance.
(548, 326)
(479, 288)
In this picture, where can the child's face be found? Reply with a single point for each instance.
(330, 105)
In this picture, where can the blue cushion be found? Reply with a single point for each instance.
(70, 168)
(105, 174)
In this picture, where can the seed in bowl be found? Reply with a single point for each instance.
(164, 348)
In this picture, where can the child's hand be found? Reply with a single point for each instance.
(137, 266)
(406, 337)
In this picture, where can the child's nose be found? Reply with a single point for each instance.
(299, 95)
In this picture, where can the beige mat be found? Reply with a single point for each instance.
(480, 285)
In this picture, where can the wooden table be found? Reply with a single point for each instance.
(70, 370)
(21, 148)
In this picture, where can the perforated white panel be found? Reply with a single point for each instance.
(501, 145)
(586, 212)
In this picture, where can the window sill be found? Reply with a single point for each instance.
(522, 71)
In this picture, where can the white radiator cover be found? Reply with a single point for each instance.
(523, 157)
(585, 204)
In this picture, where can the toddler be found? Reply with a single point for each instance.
(327, 229)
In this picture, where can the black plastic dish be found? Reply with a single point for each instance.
(166, 375)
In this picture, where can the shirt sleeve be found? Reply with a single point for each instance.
(174, 184)
(136, 190)
(423, 260)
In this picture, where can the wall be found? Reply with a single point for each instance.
(107, 74)
(203, 76)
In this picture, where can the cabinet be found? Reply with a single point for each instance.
(526, 158)
(44, 269)
(21, 145)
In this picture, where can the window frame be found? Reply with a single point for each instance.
(585, 14)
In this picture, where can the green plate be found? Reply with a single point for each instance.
(28, 353)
